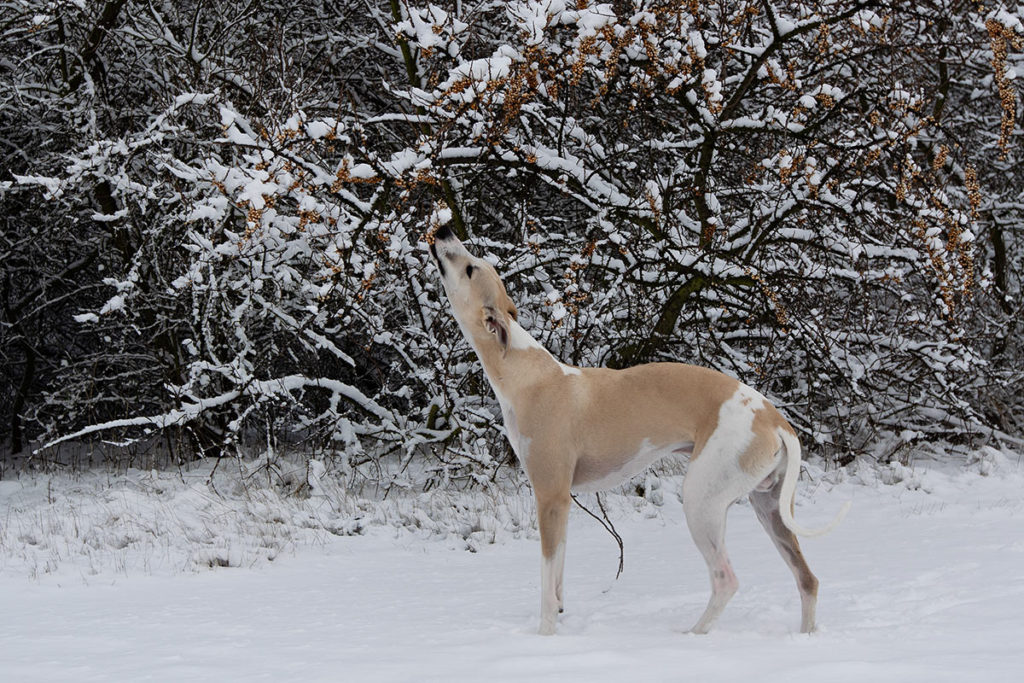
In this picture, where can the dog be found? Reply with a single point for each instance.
(590, 429)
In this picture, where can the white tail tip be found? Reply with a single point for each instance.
(800, 531)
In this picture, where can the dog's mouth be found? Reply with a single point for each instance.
(437, 258)
(442, 233)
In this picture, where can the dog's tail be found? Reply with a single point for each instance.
(791, 445)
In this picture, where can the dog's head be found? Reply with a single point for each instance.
(482, 306)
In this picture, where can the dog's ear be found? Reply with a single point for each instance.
(497, 325)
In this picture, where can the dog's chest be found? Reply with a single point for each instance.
(520, 444)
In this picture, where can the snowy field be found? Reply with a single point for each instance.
(145, 576)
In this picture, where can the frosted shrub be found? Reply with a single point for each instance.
(796, 195)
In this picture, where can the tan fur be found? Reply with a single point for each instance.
(766, 421)
(664, 403)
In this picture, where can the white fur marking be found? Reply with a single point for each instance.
(518, 338)
(520, 444)
(568, 369)
(736, 419)
(549, 591)
(732, 436)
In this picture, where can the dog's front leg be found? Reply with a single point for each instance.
(553, 518)
(560, 571)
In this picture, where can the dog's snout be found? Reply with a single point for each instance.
(445, 246)
(437, 259)
(444, 233)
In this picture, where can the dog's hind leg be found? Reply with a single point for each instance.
(706, 507)
(706, 519)
(766, 504)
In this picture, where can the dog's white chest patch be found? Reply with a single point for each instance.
(520, 444)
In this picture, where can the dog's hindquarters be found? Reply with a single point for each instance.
(763, 466)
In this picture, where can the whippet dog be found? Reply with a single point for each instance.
(589, 429)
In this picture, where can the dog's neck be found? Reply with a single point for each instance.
(524, 363)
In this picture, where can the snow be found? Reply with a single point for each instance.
(784, 26)
(362, 171)
(279, 386)
(106, 577)
(320, 129)
(53, 186)
(697, 43)
(866, 20)
(1009, 21)
(193, 98)
(115, 303)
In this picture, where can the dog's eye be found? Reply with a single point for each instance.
(469, 271)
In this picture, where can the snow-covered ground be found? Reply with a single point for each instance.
(146, 576)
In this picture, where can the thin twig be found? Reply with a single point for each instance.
(607, 524)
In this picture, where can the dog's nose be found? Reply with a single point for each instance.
(444, 233)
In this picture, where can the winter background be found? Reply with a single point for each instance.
(163, 576)
(241, 436)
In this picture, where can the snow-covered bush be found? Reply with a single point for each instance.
(817, 197)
